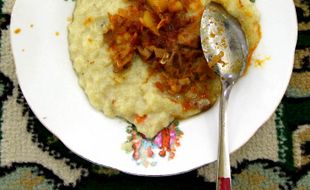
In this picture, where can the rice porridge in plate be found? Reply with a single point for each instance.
(122, 63)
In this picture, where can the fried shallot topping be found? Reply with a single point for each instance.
(165, 35)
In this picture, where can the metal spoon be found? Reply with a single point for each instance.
(225, 48)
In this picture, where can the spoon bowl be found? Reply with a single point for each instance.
(223, 42)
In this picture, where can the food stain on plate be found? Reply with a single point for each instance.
(146, 152)
(17, 30)
(261, 62)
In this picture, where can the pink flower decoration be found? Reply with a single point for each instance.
(158, 140)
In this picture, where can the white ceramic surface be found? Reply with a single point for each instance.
(50, 87)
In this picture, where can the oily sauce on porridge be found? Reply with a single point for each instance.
(165, 35)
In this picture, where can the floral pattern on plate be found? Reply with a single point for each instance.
(146, 151)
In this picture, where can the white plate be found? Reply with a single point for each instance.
(50, 87)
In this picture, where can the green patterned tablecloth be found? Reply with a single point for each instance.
(277, 157)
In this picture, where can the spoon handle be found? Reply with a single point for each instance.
(223, 161)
